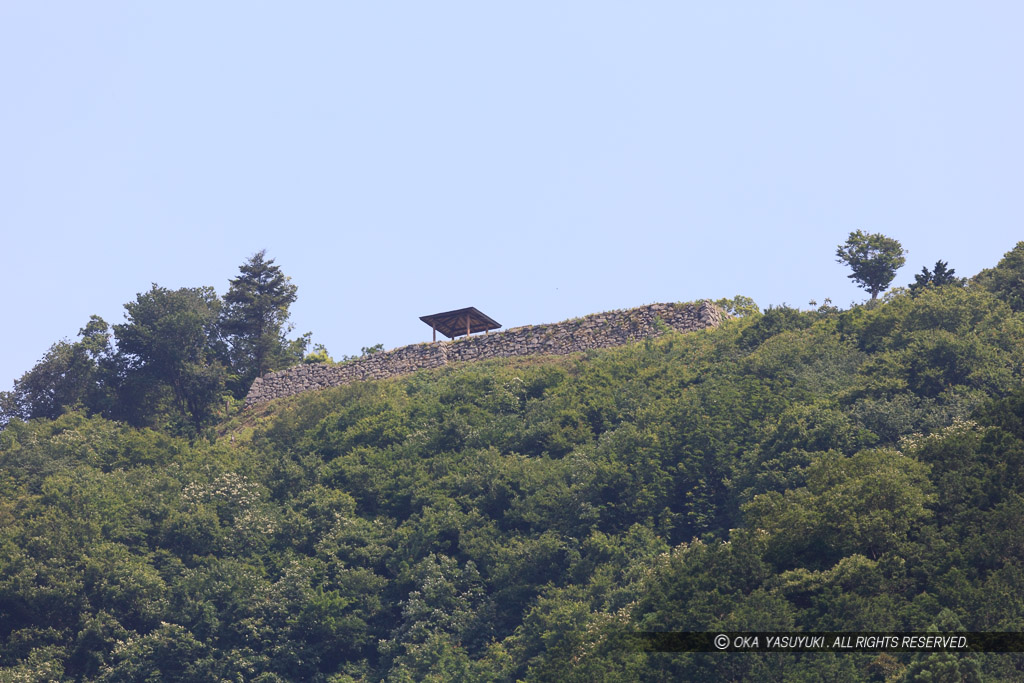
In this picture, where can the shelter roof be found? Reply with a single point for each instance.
(460, 321)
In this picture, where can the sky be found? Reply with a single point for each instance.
(536, 160)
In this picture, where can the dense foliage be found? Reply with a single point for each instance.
(178, 358)
(791, 470)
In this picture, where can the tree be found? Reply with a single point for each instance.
(319, 354)
(874, 260)
(867, 504)
(171, 340)
(70, 373)
(739, 306)
(254, 317)
(1006, 280)
(942, 275)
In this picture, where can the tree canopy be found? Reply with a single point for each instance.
(1006, 280)
(171, 339)
(254, 320)
(176, 355)
(873, 258)
(942, 275)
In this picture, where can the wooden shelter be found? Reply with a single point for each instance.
(461, 321)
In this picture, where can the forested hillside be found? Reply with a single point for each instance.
(791, 470)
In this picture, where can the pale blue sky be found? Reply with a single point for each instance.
(537, 160)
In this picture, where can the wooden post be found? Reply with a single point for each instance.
(467, 324)
(434, 330)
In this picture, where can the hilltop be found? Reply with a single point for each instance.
(596, 331)
(511, 518)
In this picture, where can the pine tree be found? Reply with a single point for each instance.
(254, 320)
(942, 275)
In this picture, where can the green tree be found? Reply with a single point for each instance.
(171, 340)
(254, 320)
(69, 373)
(942, 275)
(874, 260)
(739, 306)
(867, 504)
(319, 354)
(1006, 280)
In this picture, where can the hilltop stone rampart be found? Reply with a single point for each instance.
(597, 331)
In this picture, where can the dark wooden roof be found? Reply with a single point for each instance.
(453, 323)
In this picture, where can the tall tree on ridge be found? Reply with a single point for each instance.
(874, 260)
(254, 320)
(170, 340)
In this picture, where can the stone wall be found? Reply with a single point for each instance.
(600, 330)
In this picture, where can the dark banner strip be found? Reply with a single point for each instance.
(730, 641)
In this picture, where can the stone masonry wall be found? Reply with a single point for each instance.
(600, 330)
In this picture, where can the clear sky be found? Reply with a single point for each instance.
(537, 160)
